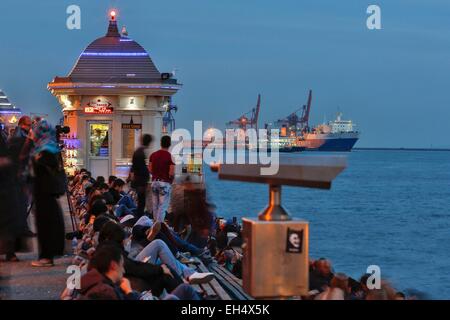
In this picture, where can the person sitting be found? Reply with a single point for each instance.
(105, 279)
(111, 180)
(158, 276)
(125, 204)
(145, 230)
(338, 289)
(116, 190)
(156, 255)
(103, 187)
(320, 275)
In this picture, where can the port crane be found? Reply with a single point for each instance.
(294, 122)
(249, 119)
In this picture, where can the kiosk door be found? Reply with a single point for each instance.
(99, 148)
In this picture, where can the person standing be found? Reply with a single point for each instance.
(47, 187)
(139, 174)
(20, 156)
(162, 168)
(12, 226)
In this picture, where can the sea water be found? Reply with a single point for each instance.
(388, 208)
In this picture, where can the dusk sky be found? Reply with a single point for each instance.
(393, 83)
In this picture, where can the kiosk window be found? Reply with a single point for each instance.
(99, 140)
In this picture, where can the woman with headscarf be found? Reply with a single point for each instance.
(12, 225)
(47, 187)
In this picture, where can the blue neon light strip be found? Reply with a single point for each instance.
(126, 40)
(112, 86)
(116, 54)
(10, 112)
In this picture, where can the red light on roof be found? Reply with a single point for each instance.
(112, 14)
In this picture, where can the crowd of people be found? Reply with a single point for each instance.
(32, 176)
(324, 284)
(134, 238)
(150, 252)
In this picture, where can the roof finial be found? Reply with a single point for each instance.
(112, 28)
(112, 14)
(124, 31)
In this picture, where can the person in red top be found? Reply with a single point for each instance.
(162, 168)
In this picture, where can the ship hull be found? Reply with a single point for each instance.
(330, 142)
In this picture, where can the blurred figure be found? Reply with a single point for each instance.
(386, 292)
(12, 225)
(21, 156)
(338, 289)
(48, 170)
(400, 296)
(139, 174)
(320, 275)
(162, 168)
(201, 216)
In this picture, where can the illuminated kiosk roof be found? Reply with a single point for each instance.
(114, 62)
(6, 107)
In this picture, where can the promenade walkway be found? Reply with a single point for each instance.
(21, 281)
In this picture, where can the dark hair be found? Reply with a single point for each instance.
(83, 170)
(88, 191)
(108, 198)
(100, 179)
(111, 179)
(111, 231)
(118, 183)
(146, 140)
(98, 207)
(364, 278)
(103, 257)
(100, 221)
(166, 141)
(89, 173)
(103, 186)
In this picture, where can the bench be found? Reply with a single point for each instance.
(229, 281)
(213, 288)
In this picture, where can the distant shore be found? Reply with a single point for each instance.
(405, 149)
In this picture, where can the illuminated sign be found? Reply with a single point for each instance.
(99, 106)
(135, 126)
(13, 120)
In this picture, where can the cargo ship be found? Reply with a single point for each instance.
(296, 134)
(337, 135)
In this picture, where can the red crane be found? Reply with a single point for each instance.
(293, 122)
(243, 122)
(304, 120)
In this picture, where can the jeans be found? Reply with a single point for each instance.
(123, 210)
(183, 292)
(158, 251)
(125, 206)
(127, 201)
(160, 199)
(181, 244)
(186, 246)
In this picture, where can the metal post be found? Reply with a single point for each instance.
(274, 211)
